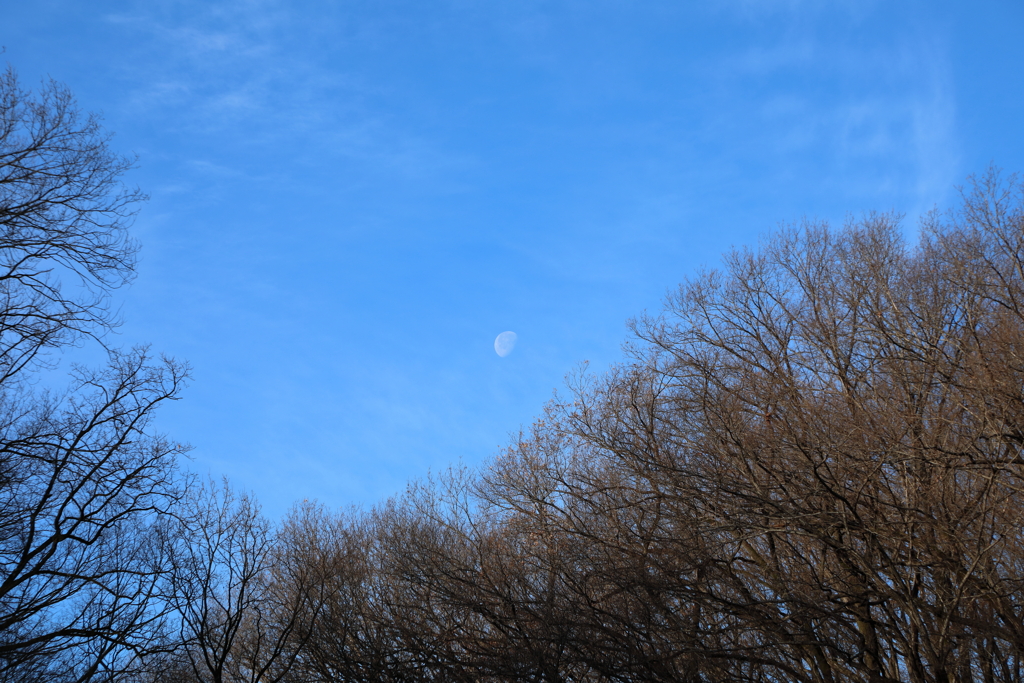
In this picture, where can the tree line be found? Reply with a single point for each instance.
(806, 468)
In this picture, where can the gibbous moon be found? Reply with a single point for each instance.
(504, 343)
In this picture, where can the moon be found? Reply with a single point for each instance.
(504, 343)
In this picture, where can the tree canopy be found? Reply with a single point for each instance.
(85, 484)
(807, 468)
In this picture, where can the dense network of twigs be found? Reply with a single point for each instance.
(808, 469)
(84, 484)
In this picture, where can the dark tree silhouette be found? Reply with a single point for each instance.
(809, 468)
(64, 216)
(242, 601)
(84, 482)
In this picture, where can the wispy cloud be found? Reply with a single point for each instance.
(235, 71)
(876, 113)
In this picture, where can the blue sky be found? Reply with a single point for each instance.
(350, 200)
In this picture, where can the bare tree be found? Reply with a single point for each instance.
(809, 469)
(84, 487)
(355, 637)
(244, 601)
(64, 216)
(85, 484)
